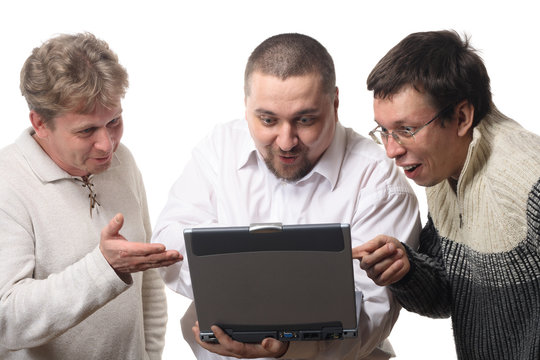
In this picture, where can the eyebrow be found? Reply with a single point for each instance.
(398, 123)
(90, 125)
(298, 113)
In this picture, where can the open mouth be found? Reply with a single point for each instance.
(410, 168)
(287, 159)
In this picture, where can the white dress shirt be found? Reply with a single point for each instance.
(227, 183)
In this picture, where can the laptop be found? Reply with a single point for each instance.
(288, 282)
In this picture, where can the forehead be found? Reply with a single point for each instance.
(406, 105)
(99, 116)
(272, 93)
(270, 85)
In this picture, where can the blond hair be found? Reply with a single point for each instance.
(72, 73)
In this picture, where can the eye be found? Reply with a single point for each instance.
(383, 130)
(406, 131)
(87, 131)
(113, 122)
(306, 121)
(267, 121)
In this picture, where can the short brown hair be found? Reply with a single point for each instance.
(438, 63)
(72, 73)
(287, 55)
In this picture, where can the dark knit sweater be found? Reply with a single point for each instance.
(479, 255)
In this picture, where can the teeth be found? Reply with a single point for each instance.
(410, 167)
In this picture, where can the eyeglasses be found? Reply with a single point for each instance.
(403, 136)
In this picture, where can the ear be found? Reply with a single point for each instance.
(40, 127)
(336, 102)
(465, 114)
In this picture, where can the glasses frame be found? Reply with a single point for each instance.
(410, 134)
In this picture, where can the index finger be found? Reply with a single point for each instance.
(367, 248)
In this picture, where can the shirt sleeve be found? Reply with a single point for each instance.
(386, 206)
(190, 203)
(153, 294)
(34, 311)
(155, 313)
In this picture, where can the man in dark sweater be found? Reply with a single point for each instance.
(479, 255)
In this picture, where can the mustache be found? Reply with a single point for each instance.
(297, 150)
(288, 153)
(102, 155)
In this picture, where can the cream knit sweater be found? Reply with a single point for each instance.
(479, 255)
(59, 298)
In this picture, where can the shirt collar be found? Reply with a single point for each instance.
(328, 166)
(40, 163)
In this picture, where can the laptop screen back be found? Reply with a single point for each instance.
(292, 282)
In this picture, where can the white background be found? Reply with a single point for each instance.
(186, 61)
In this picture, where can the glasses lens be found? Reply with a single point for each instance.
(403, 137)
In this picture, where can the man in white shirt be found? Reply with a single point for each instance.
(292, 162)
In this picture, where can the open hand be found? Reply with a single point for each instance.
(129, 257)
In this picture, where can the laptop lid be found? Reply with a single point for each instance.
(290, 282)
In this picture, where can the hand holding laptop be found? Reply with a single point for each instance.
(269, 347)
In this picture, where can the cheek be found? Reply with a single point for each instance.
(317, 139)
(262, 136)
(117, 132)
(118, 136)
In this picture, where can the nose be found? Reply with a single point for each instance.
(393, 148)
(287, 137)
(104, 141)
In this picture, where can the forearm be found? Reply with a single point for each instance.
(32, 312)
(424, 290)
(154, 312)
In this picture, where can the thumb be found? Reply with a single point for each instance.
(114, 225)
(272, 345)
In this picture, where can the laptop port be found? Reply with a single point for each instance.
(288, 335)
(310, 335)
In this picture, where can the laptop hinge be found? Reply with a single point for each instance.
(265, 227)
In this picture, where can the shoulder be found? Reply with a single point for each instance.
(123, 170)
(124, 155)
(231, 132)
(512, 165)
(230, 140)
(368, 159)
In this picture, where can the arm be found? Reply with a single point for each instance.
(417, 279)
(190, 203)
(32, 311)
(425, 289)
(396, 213)
(154, 312)
(153, 293)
